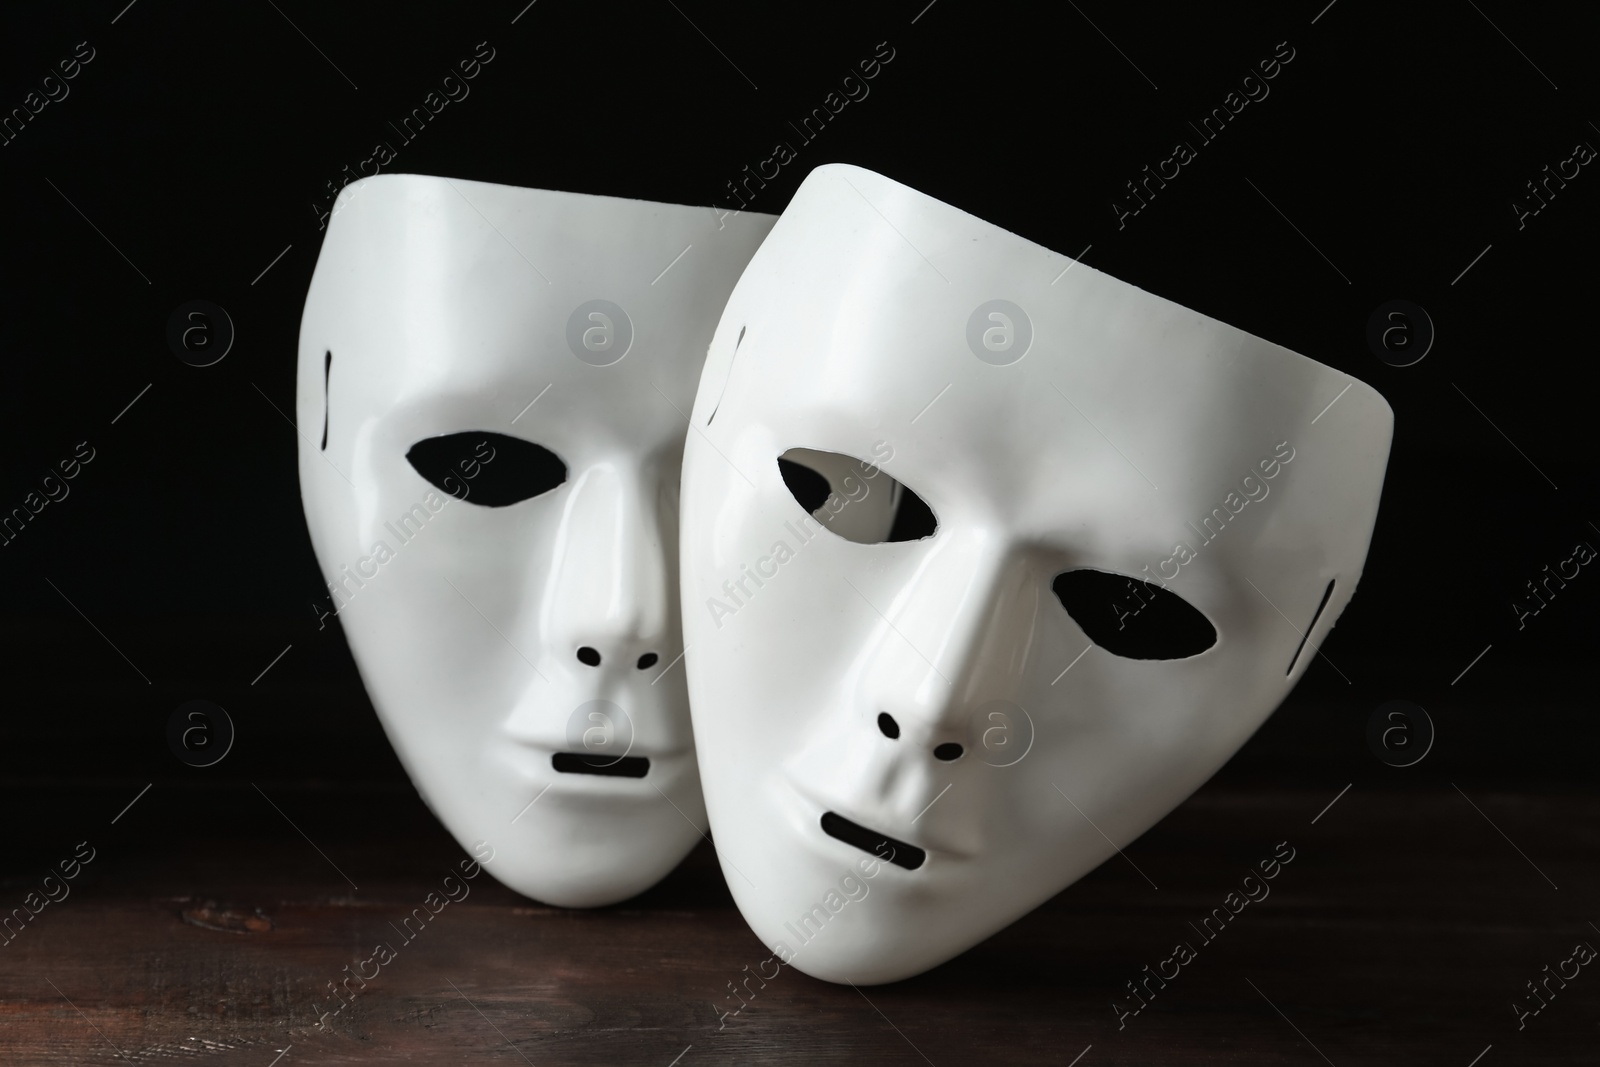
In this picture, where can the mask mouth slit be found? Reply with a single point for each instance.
(900, 854)
(1327, 593)
(605, 766)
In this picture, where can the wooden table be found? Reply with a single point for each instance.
(207, 928)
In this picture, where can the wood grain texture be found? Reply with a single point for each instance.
(207, 930)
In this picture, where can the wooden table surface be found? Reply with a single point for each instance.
(207, 928)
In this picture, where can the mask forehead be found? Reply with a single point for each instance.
(502, 640)
(454, 294)
(857, 320)
(1053, 418)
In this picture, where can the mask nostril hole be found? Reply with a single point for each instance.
(947, 751)
(588, 656)
(888, 726)
(647, 660)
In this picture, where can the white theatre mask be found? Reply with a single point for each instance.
(493, 393)
(989, 561)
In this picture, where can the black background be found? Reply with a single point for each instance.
(201, 136)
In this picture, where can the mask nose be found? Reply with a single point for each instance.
(608, 607)
(957, 635)
(953, 637)
(943, 751)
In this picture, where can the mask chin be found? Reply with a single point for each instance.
(498, 380)
(1102, 538)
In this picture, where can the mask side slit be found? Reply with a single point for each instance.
(1327, 593)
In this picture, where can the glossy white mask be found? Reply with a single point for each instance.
(492, 395)
(986, 706)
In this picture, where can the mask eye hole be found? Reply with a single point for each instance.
(809, 488)
(1131, 618)
(852, 498)
(487, 468)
